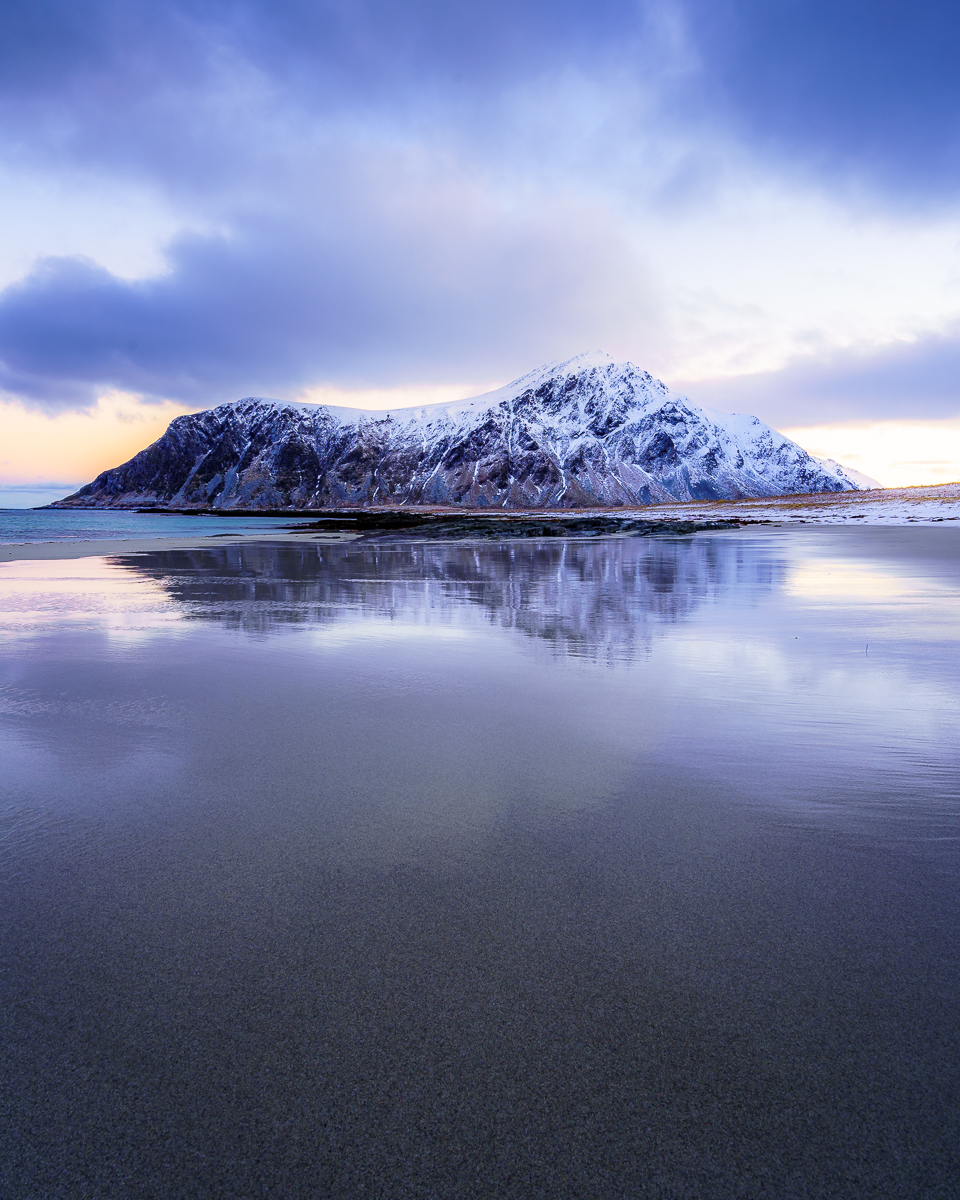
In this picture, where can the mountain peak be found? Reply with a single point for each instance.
(590, 358)
(584, 433)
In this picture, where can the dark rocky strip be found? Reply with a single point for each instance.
(403, 525)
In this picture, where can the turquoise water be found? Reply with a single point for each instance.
(21, 525)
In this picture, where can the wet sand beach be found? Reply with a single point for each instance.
(550, 868)
(111, 547)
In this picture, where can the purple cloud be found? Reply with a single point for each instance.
(278, 306)
(919, 380)
(327, 267)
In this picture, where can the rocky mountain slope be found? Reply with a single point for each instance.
(582, 433)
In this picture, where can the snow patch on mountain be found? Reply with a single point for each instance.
(582, 433)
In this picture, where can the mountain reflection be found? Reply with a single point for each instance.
(587, 599)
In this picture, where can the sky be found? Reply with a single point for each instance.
(370, 201)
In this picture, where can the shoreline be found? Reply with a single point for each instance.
(890, 508)
(927, 540)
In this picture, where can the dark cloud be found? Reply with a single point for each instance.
(341, 253)
(275, 307)
(79, 59)
(863, 87)
(919, 380)
(866, 90)
(242, 106)
(327, 268)
(373, 43)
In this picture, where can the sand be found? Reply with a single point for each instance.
(574, 868)
(110, 548)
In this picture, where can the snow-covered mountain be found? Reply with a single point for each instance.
(577, 434)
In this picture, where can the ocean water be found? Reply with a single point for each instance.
(19, 526)
(623, 867)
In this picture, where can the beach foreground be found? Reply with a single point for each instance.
(624, 866)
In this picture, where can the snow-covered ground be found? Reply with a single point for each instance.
(881, 506)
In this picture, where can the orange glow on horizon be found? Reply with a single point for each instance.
(74, 447)
(895, 453)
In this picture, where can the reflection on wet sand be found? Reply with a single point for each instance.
(319, 878)
(587, 599)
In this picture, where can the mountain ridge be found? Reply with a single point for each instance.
(587, 432)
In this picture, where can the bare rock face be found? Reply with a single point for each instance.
(579, 434)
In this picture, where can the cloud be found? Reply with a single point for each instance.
(919, 380)
(383, 194)
(420, 287)
(370, 221)
(179, 88)
(861, 92)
